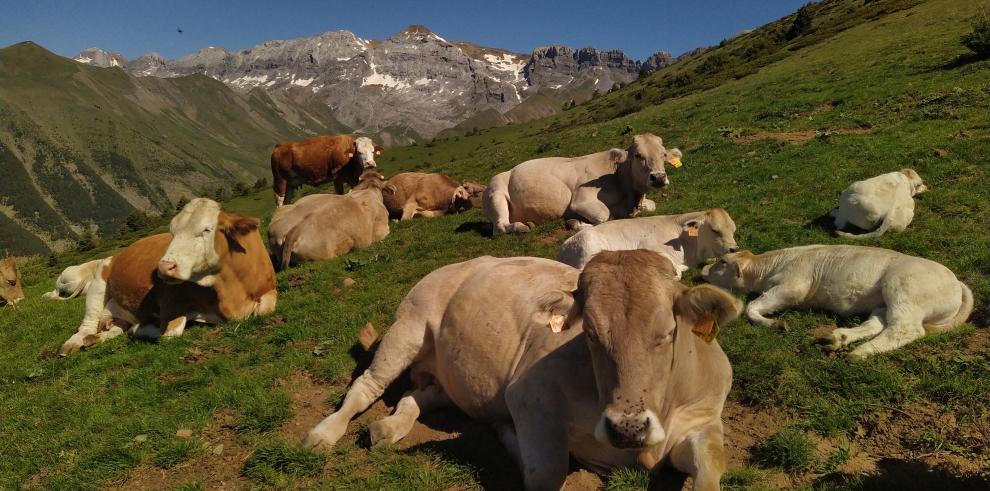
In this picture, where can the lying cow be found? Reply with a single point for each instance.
(594, 188)
(905, 296)
(73, 281)
(211, 267)
(10, 282)
(411, 194)
(617, 367)
(340, 158)
(878, 204)
(323, 226)
(688, 240)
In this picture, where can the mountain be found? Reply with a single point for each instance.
(83, 147)
(413, 85)
(100, 58)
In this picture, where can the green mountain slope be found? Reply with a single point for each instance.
(81, 146)
(774, 148)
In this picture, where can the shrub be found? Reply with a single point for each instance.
(789, 449)
(802, 22)
(978, 41)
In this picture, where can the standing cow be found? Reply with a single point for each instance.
(688, 240)
(211, 267)
(615, 365)
(323, 226)
(409, 194)
(314, 161)
(590, 189)
(10, 288)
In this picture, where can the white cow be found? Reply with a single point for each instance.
(688, 240)
(905, 296)
(879, 204)
(74, 280)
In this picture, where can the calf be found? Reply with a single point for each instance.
(878, 204)
(430, 195)
(323, 226)
(904, 296)
(616, 365)
(10, 282)
(211, 267)
(688, 240)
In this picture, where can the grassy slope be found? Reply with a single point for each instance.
(71, 423)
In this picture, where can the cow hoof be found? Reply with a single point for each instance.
(68, 349)
(519, 228)
(382, 432)
(321, 439)
(856, 356)
(782, 325)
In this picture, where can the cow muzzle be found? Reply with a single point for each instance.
(659, 179)
(622, 430)
(168, 271)
(370, 164)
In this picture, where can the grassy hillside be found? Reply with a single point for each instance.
(774, 148)
(81, 147)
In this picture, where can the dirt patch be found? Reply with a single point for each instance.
(309, 405)
(555, 237)
(794, 137)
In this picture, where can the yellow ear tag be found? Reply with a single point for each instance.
(706, 330)
(692, 231)
(676, 163)
(556, 323)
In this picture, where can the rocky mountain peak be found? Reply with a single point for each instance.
(417, 33)
(100, 58)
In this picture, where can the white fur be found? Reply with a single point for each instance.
(73, 281)
(193, 231)
(366, 151)
(885, 202)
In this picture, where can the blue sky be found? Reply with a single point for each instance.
(135, 27)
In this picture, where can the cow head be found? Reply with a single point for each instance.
(729, 271)
(371, 180)
(917, 185)
(10, 282)
(633, 313)
(466, 196)
(202, 237)
(365, 150)
(715, 232)
(645, 159)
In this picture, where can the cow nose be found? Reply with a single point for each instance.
(168, 269)
(626, 432)
(658, 179)
(370, 164)
(734, 249)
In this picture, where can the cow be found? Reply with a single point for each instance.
(584, 190)
(904, 296)
(73, 281)
(411, 194)
(688, 240)
(316, 160)
(323, 226)
(210, 267)
(878, 204)
(10, 282)
(615, 365)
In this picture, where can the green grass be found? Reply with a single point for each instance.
(897, 75)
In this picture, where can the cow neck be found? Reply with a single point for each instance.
(229, 285)
(624, 172)
(367, 194)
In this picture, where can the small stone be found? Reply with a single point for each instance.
(184, 433)
(140, 438)
(941, 152)
(774, 176)
(217, 450)
(348, 281)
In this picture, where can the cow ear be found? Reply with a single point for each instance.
(557, 310)
(240, 225)
(389, 189)
(691, 227)
(350, 155)
(705, 308)
(461, 192)
(378, 150)
(617, 155)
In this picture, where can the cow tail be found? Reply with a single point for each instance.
(877, 232)
(965, 309)
(289, 244)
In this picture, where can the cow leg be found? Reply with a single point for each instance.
(702, 455)
(646, 204)
(591, 210)
(338, 185)
(175, 327)
(290, 193)
(904, 324)
(96, 302)
(770, 301)
(409, 211)
(496, 208)
(279, 185)
(431, 213)
(541, 438)
(406, 341)
(842, 337)
(393, 428)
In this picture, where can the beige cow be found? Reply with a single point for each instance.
(617, 367)
(323, 226)
(74, 280)
(411, 194)
(878, 204)
(688, 240)
(589, 189)
(905, 296)
(10, 282)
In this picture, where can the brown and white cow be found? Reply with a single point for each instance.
(317, 160)
(10, 282)
(211, 267)
(323, 226)
(615, 365)
(409, 194)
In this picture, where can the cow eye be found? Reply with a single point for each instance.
(665, 339)
(11, 282)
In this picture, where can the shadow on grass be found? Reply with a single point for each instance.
(959, 61)
(481, 228)
(905, 475)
